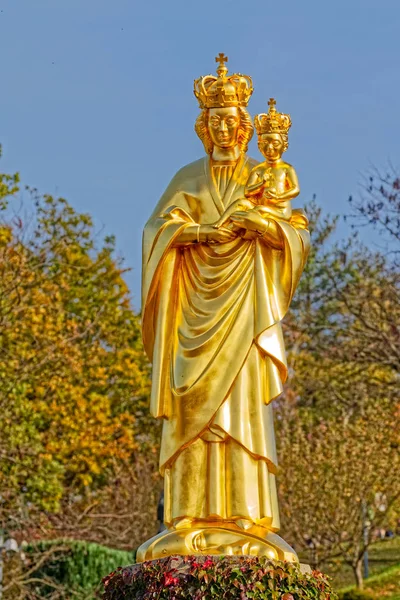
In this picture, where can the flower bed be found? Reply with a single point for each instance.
(216, 577)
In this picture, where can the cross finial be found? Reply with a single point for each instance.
(222, 68)
(271, 104)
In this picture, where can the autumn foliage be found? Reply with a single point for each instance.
(74, 379)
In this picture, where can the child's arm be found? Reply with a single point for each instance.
(255, 183)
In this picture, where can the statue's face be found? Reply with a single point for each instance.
(223, 126)
(271, 145)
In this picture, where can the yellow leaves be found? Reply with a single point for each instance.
(46, 456)
(69, 340)
(86, 479)
(5, 235)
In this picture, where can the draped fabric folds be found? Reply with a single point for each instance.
(211, 328)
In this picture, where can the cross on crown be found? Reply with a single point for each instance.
(222, 68)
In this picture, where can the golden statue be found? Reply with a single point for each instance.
(213, 300)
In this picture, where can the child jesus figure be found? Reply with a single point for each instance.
(273, 183)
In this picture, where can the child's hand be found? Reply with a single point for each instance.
(271, 193)
(266, 176)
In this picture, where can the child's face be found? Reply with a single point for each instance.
(271, 145)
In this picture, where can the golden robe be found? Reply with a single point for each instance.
(211, 328)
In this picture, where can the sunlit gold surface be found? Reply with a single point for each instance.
(214, 538)
(213, 300)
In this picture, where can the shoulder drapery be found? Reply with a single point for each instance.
(204, 306)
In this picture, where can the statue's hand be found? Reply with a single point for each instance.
(255, 225)
(220, 222)
(208, 234)
(251, 221)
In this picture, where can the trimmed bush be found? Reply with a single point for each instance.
(73, 565)
(216, 578)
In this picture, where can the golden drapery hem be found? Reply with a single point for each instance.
(236, 481)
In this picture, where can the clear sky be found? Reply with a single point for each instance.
(97, 106)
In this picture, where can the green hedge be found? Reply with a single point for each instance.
(75, 565)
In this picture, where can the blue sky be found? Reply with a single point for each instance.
(97, 104)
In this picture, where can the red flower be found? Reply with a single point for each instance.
(169, 579)
(208, 563)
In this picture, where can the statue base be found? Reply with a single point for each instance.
(216, 577)
(217, 539)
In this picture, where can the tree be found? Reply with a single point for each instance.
(74, 379)
(378, 205)
(334, 474)
(345, 312)
(342, 400)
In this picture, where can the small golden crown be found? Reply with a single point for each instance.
(272, 122)
(221, 91)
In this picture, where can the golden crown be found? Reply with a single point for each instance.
(221, 91)
(273, 121)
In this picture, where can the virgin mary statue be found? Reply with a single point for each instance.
(213, 301)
